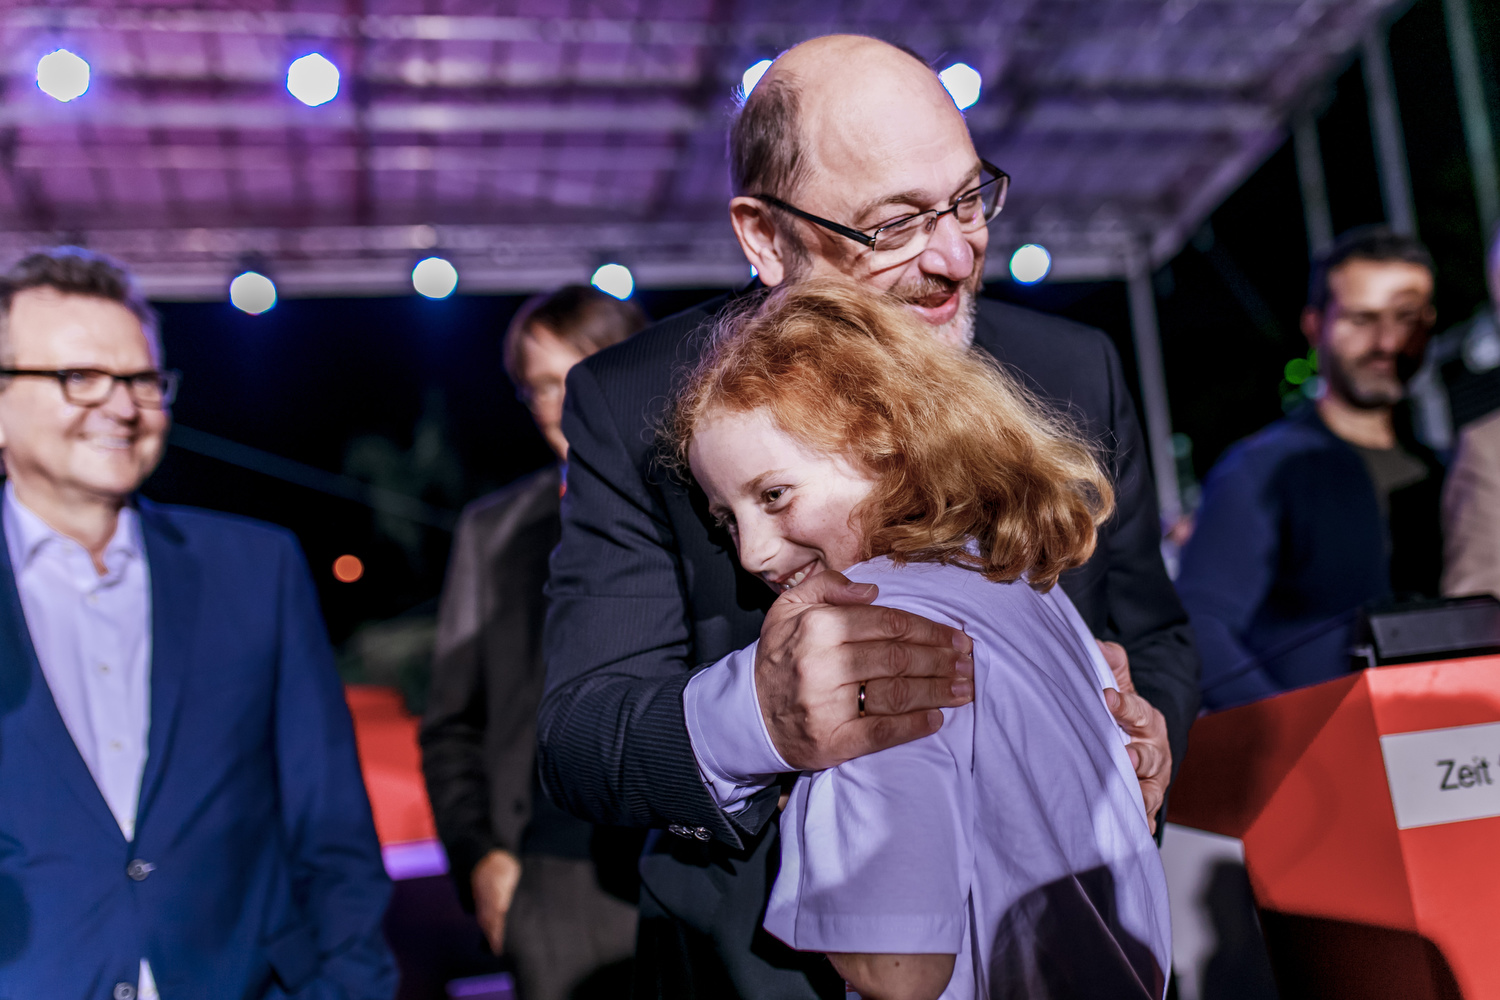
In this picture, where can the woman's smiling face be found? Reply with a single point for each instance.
(788, 508)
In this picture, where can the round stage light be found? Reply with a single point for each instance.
(348, 569)
(963, 82)
(252, 292)
(313, 80)
(1030, 263)
(614, 279)
(62, 75)
(434, 277)
(752, 77)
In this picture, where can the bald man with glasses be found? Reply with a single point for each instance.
(181, 808)
(678, 697)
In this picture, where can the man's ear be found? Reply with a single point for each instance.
(1312, 324)
(764, 246)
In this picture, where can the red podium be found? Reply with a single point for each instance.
(1369, 807)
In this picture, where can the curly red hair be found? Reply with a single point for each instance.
(969, 467)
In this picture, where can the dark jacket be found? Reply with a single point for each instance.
(1289, 545)
(479, 730)
(267, 880)
(644, 589)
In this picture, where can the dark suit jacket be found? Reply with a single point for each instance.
(479, 731)
(268, 880)
(1289, 545)
(644, 590)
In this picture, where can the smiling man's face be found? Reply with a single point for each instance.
(57, 452)
(882, 140)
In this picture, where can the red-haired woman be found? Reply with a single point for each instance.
(1009, 854)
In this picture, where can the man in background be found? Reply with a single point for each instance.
(181, 808)
(527, 869)
(1331, 507)
(1471, 497)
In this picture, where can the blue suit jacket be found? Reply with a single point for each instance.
(267, 878)
(1289, 545)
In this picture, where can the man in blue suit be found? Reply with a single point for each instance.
(181, 810)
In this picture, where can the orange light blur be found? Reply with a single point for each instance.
(347, 569)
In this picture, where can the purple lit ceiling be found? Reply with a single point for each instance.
(531, 144)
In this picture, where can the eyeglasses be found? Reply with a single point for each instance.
(910, 234)
(153, 389)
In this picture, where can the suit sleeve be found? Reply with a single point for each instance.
(337, 873)
(1227, 570)
(613, 743)
(452, 737)
(1145, 614)
(1471, 514)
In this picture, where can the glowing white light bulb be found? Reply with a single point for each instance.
(963, 82)
(62, 75)
(252, 292)
(1030, 263)
(313, 80)
(434, 277)
(752, 76)
(614, 279)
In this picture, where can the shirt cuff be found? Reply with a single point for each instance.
(734, 751)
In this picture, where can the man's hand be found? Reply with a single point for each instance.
(1147, 729)
(821, 640)
(494, 883)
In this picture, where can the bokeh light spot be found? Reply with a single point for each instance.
(62, 75)
(963, 82)
(313, 79)
(1030, 263)
(348, 569)
(614, 279)
(752, 77)
(252, 292)
(434, 277)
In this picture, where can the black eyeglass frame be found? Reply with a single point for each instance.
(167, 378)
(868, 240)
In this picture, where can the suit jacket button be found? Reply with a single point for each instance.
(138, 870)
(678, 830)
(701, 832)
(124, 991)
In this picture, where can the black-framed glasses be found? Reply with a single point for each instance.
(152, 389)
(909, 234)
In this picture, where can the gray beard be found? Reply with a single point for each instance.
(959, 331)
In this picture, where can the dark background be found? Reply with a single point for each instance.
(409, 393)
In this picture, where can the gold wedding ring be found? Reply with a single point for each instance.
(861, 700)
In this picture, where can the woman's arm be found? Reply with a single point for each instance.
(895, 977)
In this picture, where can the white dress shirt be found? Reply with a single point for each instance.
(92, 636)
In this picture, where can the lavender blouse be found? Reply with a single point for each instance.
(1015, 837)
